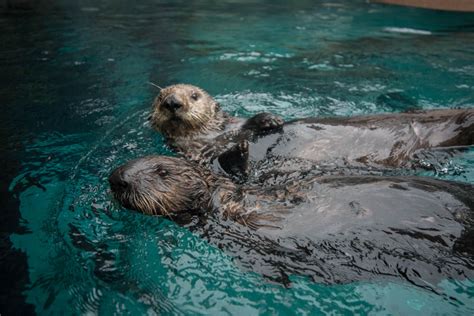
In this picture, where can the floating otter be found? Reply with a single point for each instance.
(194, 125)
(190, 118)
(331, 228)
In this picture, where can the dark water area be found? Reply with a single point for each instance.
(75, 98)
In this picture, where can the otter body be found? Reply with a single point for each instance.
(195, 126)
(331, 228)
(383, 140)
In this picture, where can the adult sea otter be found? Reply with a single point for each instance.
(331, 228)
(196, 126)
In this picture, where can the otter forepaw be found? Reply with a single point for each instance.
(264, 122)
(235, 160)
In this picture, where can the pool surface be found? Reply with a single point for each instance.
(75, 100)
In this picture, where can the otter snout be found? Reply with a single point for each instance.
(172, 103)
(117, 180)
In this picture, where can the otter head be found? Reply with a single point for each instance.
(160, 185)
(184, 110)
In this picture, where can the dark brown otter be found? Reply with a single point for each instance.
(331, 228)
(195, 125)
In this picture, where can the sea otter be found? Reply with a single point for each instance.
(195, 125)
(331, 228)
(190, 118)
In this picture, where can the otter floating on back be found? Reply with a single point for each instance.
(195, 125)
(331, 228)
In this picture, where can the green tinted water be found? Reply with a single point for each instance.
(75, 94)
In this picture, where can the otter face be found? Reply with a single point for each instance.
(159, 185)
(183, 110)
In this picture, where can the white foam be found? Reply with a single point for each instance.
(406, 30)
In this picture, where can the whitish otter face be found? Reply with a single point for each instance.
(159, 185)
(184, 110)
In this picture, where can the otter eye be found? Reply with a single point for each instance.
(195, 96)
(161, 172)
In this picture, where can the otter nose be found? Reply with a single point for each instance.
(117, 181)
(172, 103)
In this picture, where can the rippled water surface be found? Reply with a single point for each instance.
(75, 99)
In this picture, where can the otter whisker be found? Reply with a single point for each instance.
(140, 203)
(155, 85)
(150, 207)
(157, 205)
(150, 204)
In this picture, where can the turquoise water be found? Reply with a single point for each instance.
(75, 101)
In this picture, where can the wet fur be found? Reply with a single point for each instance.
(199, 116)
(293, 225)
(167, 186)
(157, 187)
(205, 134)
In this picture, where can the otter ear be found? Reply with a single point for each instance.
(218, 106)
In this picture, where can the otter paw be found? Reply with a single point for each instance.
(269, 122)
(264, 122)
(235, 160)
(243, 147)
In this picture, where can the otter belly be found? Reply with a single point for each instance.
(346, 206)
(388, 140)
(343, 229)
(319, 142)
